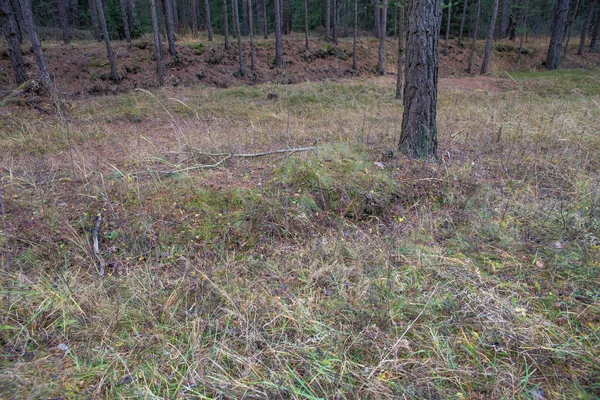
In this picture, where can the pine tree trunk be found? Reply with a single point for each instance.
(306, 24)
(264, 14)
(401, 38)
(586, 26)
(251, 31)
(75, 13)
(354, 68)
(170, 24)
(278, 36)
(35, 43)
(327, 20)
(109, 53)
(194, 17)
(559, 23)
(472, 55)
(157, 44)
(595, 32)
(448, 27)
(9, 22)
(377, 18)
(174, 16)
(125, 20)
(245, 17)
(524, 27)
(207, 21)
(382, 36)
(462, 23)
(134, 23)
(94, 18)
(569, 26)
(490, 38)
(419, 131)
(225, 25)
(505, 21)
(235, 11)
(63, 18)
(19, 17)
(334, 11)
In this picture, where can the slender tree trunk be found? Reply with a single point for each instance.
(260, 20)
(278, 38)
(244, 17)
(306, 23)
(235, 11)
(174, 15)
(207, 21)
(134, 23)
(472, 55)
(490, 38)
(109, 53)
(327, 20)
(448, 27)
(505, 21)
(561, 13)
(125, 20)
(595, 32)
(377, 18)
(286, 15)
(334, 6)
(19, 17)
(586, 26)
(382, 36)
(170, 24)
(63, 18)
(35, 44)
(251, 31)
(354, 68)
(233, 19)
(157, 44)
(265, 20)
(225, 25)
(462, 23)
(74, 14)
(94, 18)
(401, 38)
(569, 26)
(524, 28)
(419, 130)
(194, 17)
(9, 22)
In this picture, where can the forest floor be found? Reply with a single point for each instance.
(333, 273)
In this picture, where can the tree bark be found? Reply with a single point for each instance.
(595, 32)
(462, 23)
(134, 23)
(94, 18)
(170, 24)
(505, 21)
(472, 55)
(586, 26)
(448, 27)
(559, 23)
(419, 130)
(334, 6)
(19, 17)
(62, 14)
(251, 31)
(377, 18)
(125, 20)
(401, 38)
(245, 17)
(327, 20)
(194, 17)
(264, 14)
(490, 38)
(306, 24)
(355, 35)
(9, 22)
(569, 26)
(278, 38)
(74, 14)
(109, 53)
(207, 21)
(524, 27)
(157, 44)
(382, 35)
(35, 44)
(226, 25)
(235, 10)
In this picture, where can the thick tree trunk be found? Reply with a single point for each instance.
(225, 25)
(419, 129)
(207, 21)
(401, 38)
(125, 17)
(591, 8)
(170, 24)
(595, 32)
(234, 8)
(9, 22)
(278, 36)
(559, 23)
(472, 55)
(94, 18)
(382, 36)
(327, 20)
(109, 53)
(19, 16)
(449, 20)
(62, 15)
(35, 43)
(355, 35)
(251, 31)
(490, 38)
(377, 18)
(306, 24)
(194, 17)
(462, 23)
(157, 44)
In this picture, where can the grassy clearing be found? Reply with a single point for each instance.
(312, 275)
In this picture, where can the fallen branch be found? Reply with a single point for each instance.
(96, 244)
